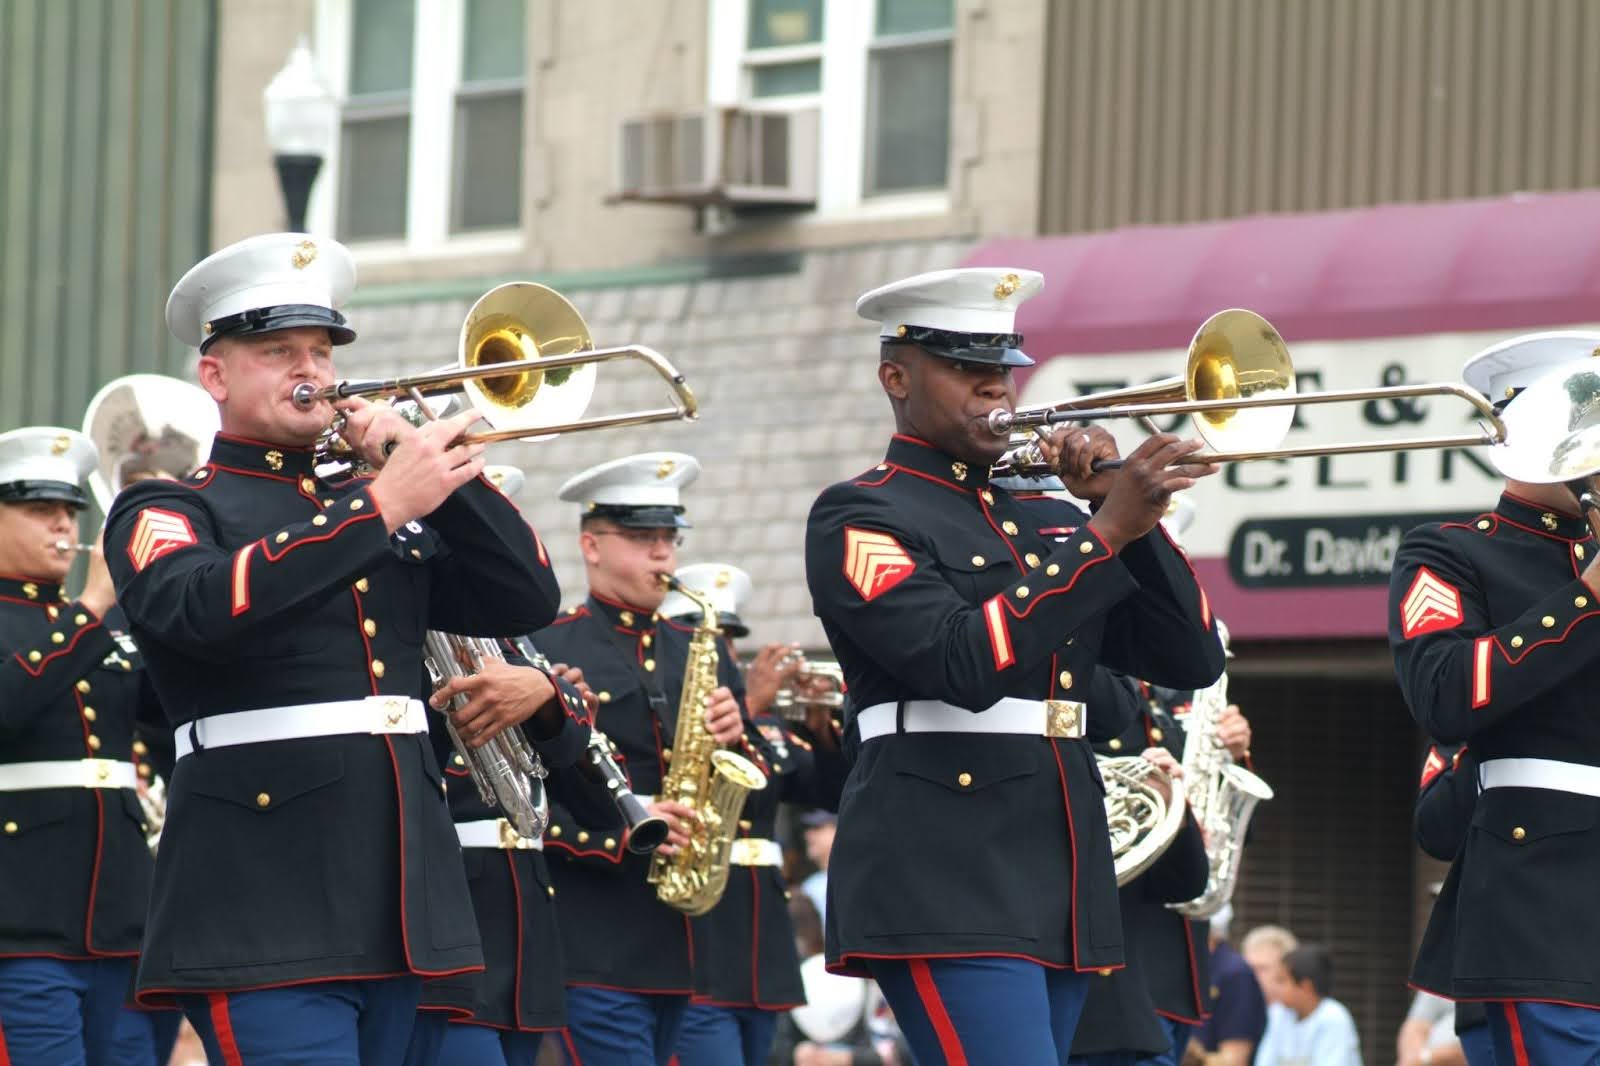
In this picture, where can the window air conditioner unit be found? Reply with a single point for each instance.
(721, 155)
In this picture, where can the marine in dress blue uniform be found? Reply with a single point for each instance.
(74, 867)
(1446, 796)
(747, 972)
(1495, 627)
(969, 625)
(1143, 1013)
(498, 1017)
(630, 958)
(309, 875)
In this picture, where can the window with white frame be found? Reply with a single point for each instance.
(878, 71)
(430, 146)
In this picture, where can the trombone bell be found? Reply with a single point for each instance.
(1237, 354)
(1553, 429)
(518, 324)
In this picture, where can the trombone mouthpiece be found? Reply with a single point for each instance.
(1000, 422)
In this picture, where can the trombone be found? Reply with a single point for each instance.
(526, 362)
(1239, 387)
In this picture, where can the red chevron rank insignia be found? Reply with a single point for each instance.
(874, 562)
(1431, 604)
(1432, 768)
(158, 533)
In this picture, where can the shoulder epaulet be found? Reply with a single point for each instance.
(571, 614)
(873, 478)
(1487, 524)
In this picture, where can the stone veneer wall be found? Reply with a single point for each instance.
(785, 374)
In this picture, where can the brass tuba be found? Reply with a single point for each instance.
(147, 425)
(711, 781)
(1222, 794)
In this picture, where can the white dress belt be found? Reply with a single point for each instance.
(495, 833)
(1540, 773)
(751, 851)
(1039, 718)
(375, 715)
(68, 773)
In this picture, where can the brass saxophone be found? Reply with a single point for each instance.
(711, 781)
(1222, 794)
(508, 772)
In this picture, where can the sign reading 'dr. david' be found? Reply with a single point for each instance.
(1310, 552)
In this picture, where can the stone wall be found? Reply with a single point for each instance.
(785, 375)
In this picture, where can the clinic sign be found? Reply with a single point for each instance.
(1303, 547)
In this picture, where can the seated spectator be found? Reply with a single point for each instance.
(1309, 1027)
(1264, 948)
(819, 827)
(1238, 1011)
(1428, 1035)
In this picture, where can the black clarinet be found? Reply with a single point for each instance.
(646, 832)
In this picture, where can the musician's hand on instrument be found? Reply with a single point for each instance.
(426, 467)
(498, 697)
(1144, 486)
(772, 668)
(1071, 452)
(1163, 760)
(98, 593)
(820, 724)
(373, 430)
(723, 717)
(680, 821)
(1233, 731)
(573, 676)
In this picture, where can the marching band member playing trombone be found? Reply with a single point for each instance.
(74, 866)
(1495, 628)
(309, 875)
(969, 625)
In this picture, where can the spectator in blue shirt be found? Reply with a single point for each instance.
(1228, 1037)
(1309, 1027)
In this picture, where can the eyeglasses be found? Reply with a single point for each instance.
(644, 538)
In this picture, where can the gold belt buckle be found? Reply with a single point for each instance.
(510, 839)
(96, 772)
(1065, 719)
(746, 852)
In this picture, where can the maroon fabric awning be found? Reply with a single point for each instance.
(1515, 263)
(1519, 261)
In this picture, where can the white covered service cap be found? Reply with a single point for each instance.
(1501, 369)
(642, 491)
(727, 587)
(505, 477)
(969, 313)
(45, 463)
(260, 284)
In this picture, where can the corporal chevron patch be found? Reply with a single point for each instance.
(1430, 604)
(158, 533)
(874, 562)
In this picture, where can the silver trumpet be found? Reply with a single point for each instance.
(816, 683)
(508, 772)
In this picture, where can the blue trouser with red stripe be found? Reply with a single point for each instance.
(1533, 1034)
(332, 1023)
(983, 1011)
(726, 1036)
(611, 1027)
(62, 1012)
(1477, 1044)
